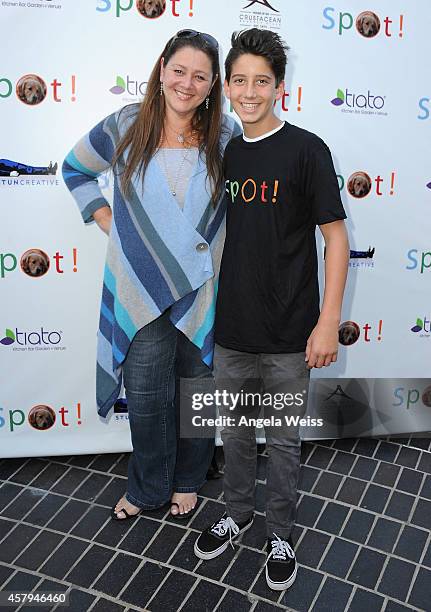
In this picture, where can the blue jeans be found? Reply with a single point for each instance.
(161, 462)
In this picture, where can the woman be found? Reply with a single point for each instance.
(166, 233)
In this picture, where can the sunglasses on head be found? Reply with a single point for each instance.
(210, 40)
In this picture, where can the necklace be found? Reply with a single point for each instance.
(173, 181)
(186, 141)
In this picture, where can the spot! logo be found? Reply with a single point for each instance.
(409, 397)
(360, 104)
(41, 417)
(424, 108)
(422, 327)
(148, 9)
(368, 24)
(360, 184)
(263, 14)
(419, 260)
(31, 89)
(34, 340)
(349, 332)
(35, 263)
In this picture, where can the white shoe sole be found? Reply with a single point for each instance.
(215, 553)
(280, 586)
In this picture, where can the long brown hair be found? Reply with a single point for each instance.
(144, 134)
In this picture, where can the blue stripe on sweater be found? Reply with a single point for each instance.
(73, 161)
(141, 261)
(121, 314)
(216, 222)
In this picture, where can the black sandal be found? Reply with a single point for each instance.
(127, 517)
(186, 515)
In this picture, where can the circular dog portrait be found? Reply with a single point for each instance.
(151, 8)
(31, 89)
(41, 417)
(34, 262)
(368, 24)
(359, 184)
(426, 397)
(348, 333)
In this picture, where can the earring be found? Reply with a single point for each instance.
(207, 103)
(161, 88)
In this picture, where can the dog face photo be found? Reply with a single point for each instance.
(368, 24)
(151, 8)
(426, 397)
(35, 262)
(348, 333)
(41, 417)
(31, 89)
(359, 185)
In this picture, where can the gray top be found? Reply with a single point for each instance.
(177, 166)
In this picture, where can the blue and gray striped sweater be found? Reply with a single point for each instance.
(152, 261)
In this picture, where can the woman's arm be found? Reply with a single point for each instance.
(90, 157)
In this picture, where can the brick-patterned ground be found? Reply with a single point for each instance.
(362, 540)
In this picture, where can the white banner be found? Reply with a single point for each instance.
(355, 76)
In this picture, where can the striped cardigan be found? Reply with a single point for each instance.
(158, 255)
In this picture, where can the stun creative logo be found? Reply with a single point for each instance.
(359, 103)
(422, 327)
(17, 174)
(263, 14)
(362, 259)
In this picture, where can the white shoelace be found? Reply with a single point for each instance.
(280, 550)
(223, 526)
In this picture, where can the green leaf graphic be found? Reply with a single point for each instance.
(420, 323)
(121, 82)
(10, 334)
(340, 94)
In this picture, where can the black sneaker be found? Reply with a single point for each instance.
(214, 540)
(281, 565)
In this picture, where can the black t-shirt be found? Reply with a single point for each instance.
(278, 189)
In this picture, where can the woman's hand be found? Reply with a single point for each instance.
(103, 218)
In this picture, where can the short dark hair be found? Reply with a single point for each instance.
(264, 43)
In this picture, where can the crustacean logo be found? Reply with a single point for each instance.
(260, 14)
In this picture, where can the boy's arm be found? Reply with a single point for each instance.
(322, 345)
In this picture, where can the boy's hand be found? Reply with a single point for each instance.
(322, 345)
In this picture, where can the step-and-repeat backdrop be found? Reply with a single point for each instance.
(356, 76)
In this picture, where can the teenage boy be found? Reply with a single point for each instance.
(280, 184)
